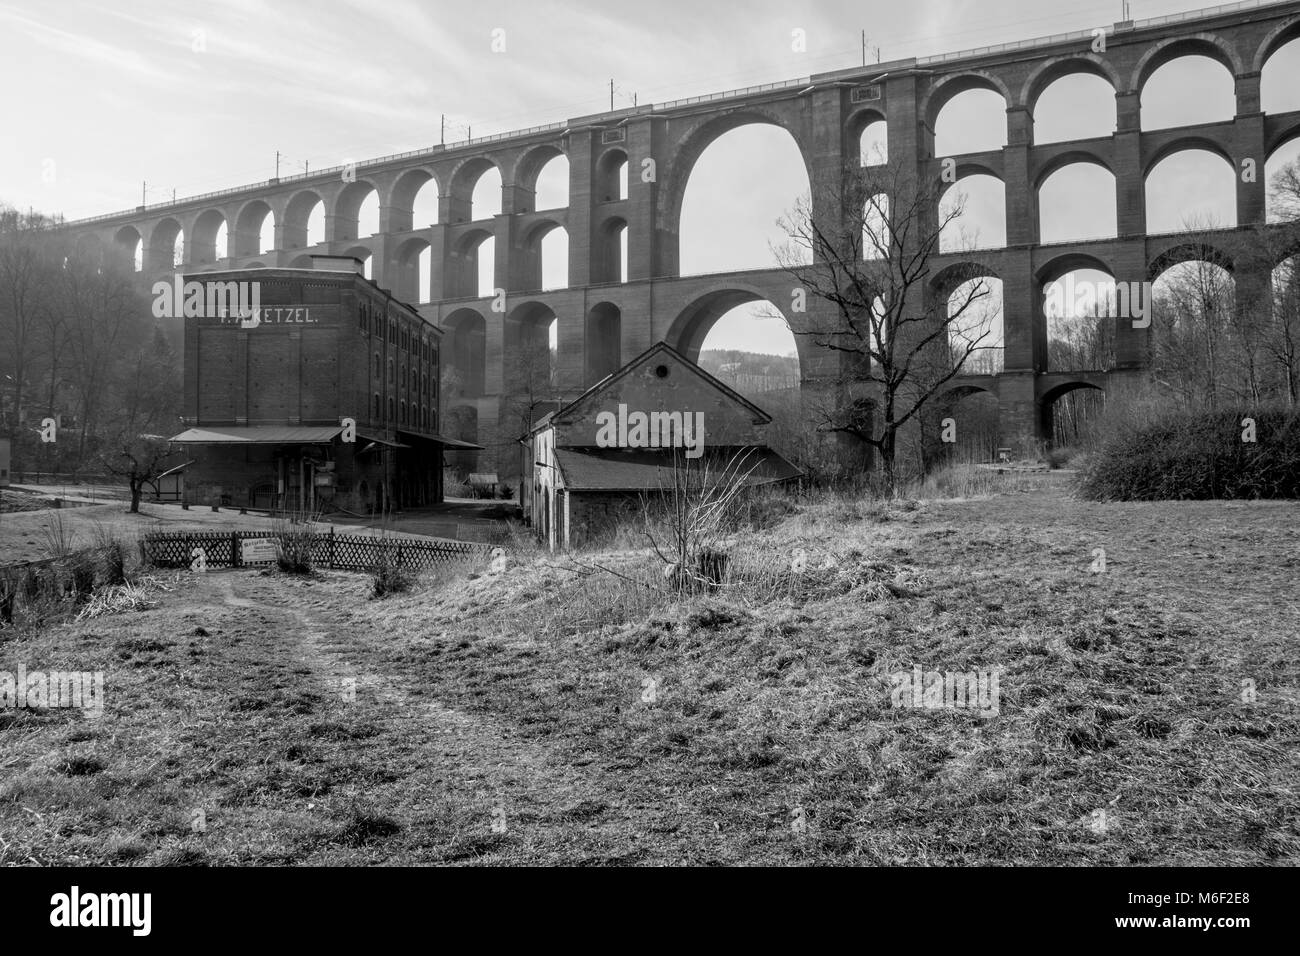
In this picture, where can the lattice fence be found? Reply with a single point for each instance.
(347, 552)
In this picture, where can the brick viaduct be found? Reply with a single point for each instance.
(605, 317)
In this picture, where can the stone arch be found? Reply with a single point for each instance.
(302, 262)
(347, 208)
(462, 275)
(129, 245)
(466, 350)
(954, 84)
(1075, 199)
(203, 237)
(1058, 68)
(692, 146)
(611, 240)
(406, 278)
(531, 264)
(529, 166)
(1047, 406)
(162, 244)
(402, 196)
(688, 331)
(1182, 144)
(248, 228)
(1068, 158)
(604, 341)
(1281, 137)
(297, 216)
(987, 358)
(949, 238)
(528, 344)
(856, 126)
(609, 176)
(464, 177)
(1181, 252)
(1172, 48)
(1278, 37)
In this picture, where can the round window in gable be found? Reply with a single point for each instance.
(661, 371)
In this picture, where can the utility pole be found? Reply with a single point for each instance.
(864, 47)
(144, 192)
(277, 164)
(442, 136)
(611, 95)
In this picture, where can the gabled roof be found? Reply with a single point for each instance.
(659, 348)
(259, 435)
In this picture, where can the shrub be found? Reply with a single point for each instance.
(389, 577)
(295, 537)
(1199, 455)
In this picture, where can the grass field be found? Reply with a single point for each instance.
(559, 713)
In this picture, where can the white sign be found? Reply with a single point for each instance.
(258, 551)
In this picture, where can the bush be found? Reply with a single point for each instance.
(388, 577)
(1199, 455)
(295, 538)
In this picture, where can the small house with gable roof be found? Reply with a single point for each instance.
(592, 462)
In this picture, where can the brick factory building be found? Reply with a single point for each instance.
(307, 390)
(590, 463)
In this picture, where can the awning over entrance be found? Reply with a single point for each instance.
(442, 440)
(259, 435)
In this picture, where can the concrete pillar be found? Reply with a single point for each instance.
(1023, 323)
(1019, 420)
(437, 263)
(1249, 144)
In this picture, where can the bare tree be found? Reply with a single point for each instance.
(138, 459)
(864, 252)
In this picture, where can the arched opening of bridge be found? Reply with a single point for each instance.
(978, 206)
(545, 264)
(872, 139)
(744, 340)
(1191, 190)
(1070, 414)
(1279, 84)
(413, 203)
(1080, 306)
(975, 313)
(1282, 177)
(209, 239)
(1076, 106)
(301, 262)
(412, 271)
(974, 413)
(485, 199)
(550, 184)
(1186, 91)
(530, 371)
(973, 121)
(604, 341)
(254, 229)
(1077, 201)
(304, 221)
(168, 244)
(611, 176)
(130, 247)
(356, 212)
(1196, 348)
(367, 259)
(745, 181)
(466, 353)
(611, 251)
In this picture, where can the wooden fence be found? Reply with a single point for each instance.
(346, 552)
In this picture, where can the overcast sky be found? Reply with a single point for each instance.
(199, 96)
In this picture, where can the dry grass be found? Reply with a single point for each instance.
(574, 710)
